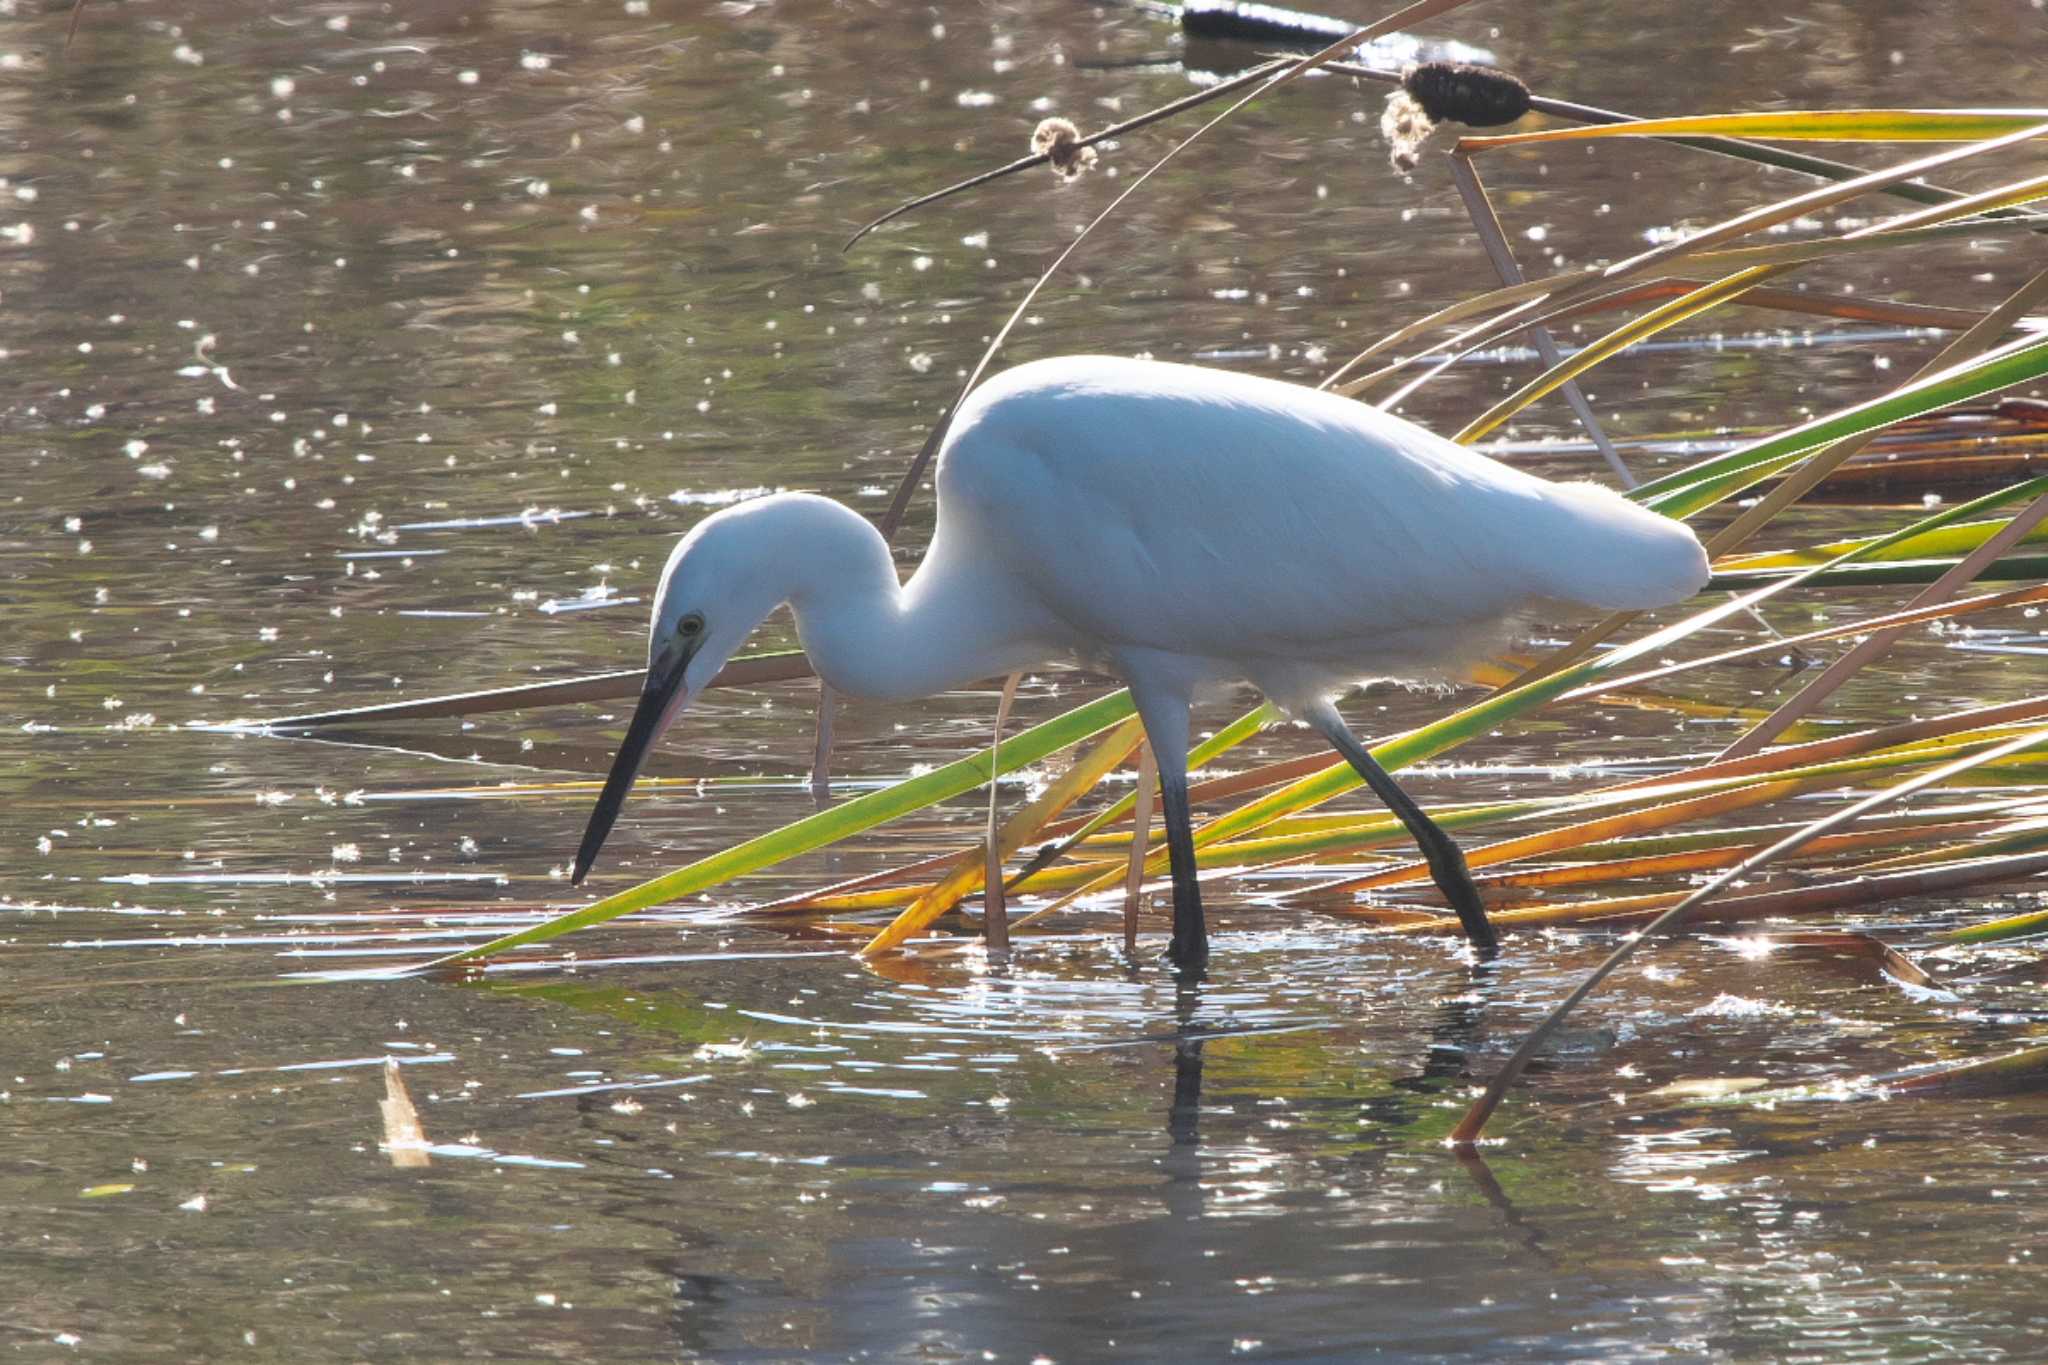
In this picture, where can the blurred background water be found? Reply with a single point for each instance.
(357, 352)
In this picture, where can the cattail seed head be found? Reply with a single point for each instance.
(1476, 96)
(1060, 141)
(1443, 92)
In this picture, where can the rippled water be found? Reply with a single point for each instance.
(363, 352)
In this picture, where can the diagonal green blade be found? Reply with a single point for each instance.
(826, 826)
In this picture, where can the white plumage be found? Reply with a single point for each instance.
(1170, 507)
(1178, 526)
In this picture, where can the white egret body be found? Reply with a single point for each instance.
(1176, 526)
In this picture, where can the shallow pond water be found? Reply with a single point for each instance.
(360, 352)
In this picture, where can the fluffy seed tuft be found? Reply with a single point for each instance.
(1060, 141)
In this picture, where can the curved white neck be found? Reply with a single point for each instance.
(869, 636)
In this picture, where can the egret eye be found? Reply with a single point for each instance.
(690, 626)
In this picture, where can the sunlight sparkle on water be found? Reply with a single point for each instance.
(412, 321)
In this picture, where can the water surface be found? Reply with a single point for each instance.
(359, 352)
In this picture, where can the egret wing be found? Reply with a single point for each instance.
(1159, 505)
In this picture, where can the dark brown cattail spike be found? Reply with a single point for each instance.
(1443, 92)
(1477, 96)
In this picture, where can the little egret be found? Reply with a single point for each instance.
(1179, 527)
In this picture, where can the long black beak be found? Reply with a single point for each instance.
(650, 717)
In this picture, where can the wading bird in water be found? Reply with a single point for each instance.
(1179, 527)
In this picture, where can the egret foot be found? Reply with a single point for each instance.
(1447, 868)
(1189, 953)
(1446, 861)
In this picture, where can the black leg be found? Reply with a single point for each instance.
(1165, 712)
(1190, 948)
(1446, 862)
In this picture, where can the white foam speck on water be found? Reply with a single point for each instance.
(718, 497)
(1725, 1006)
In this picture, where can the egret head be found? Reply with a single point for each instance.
(722, 580)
